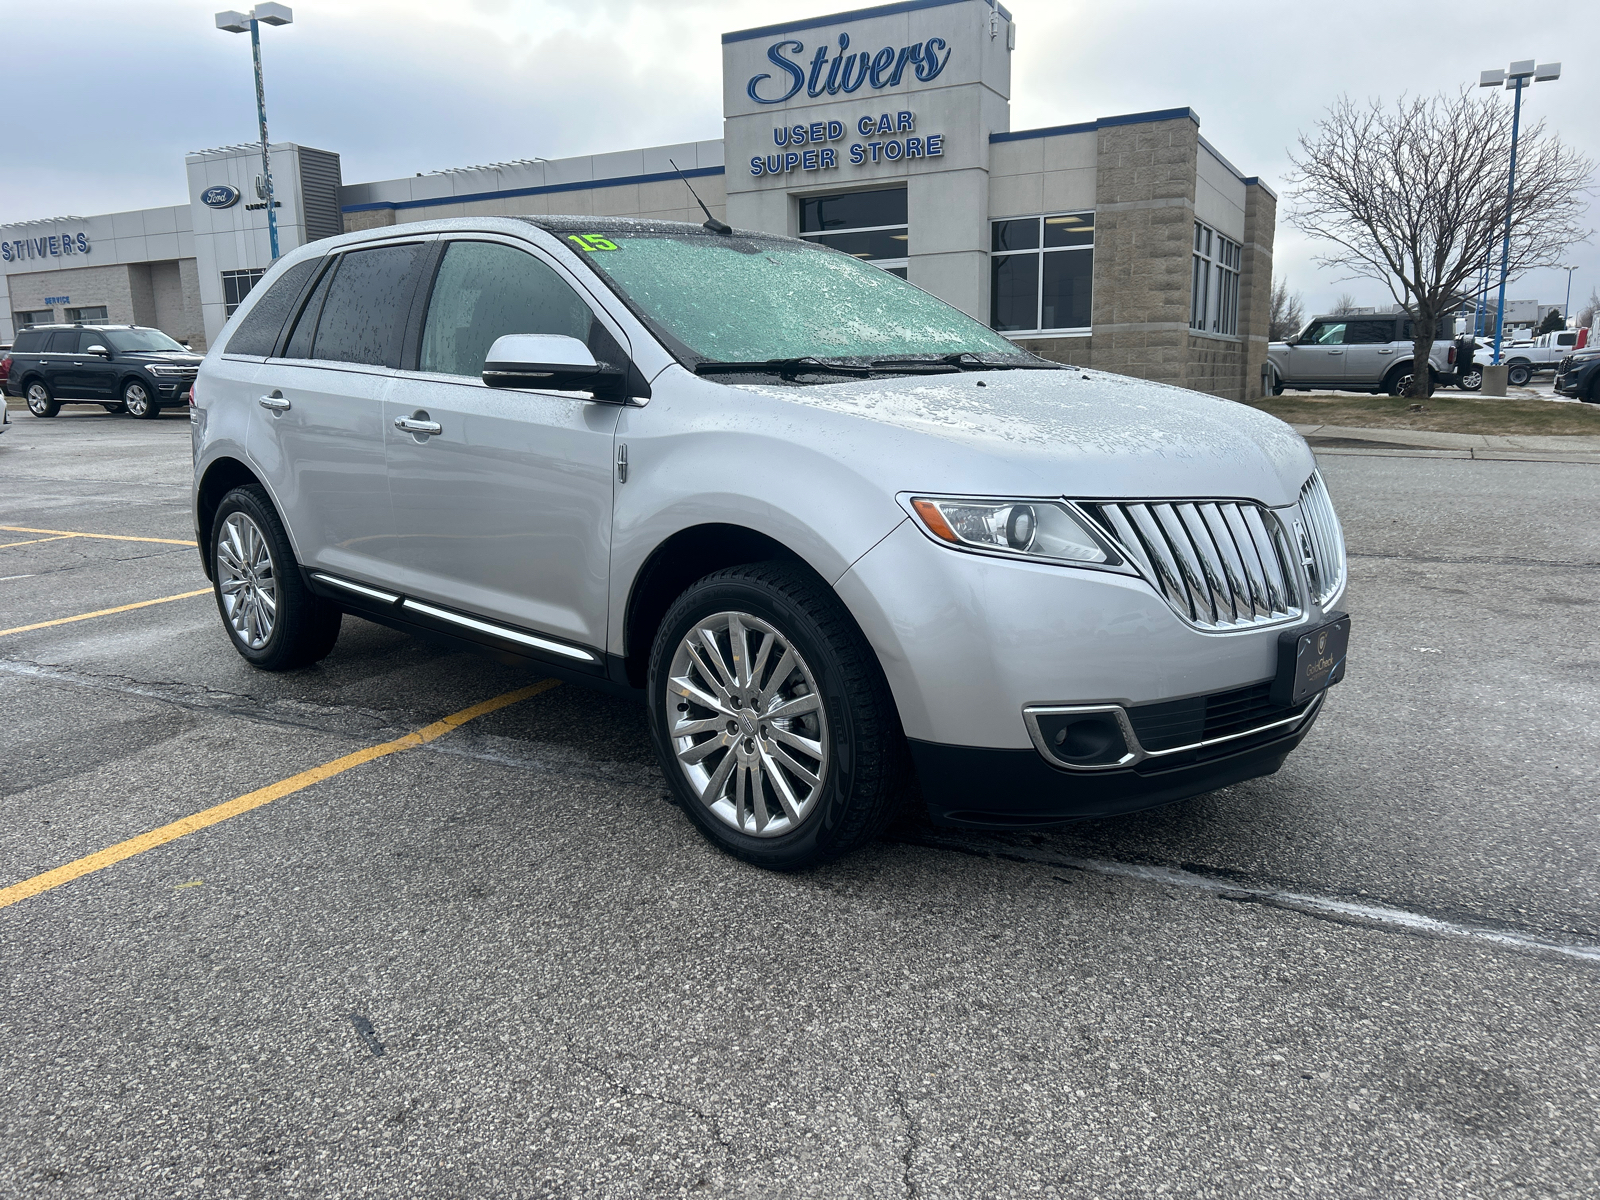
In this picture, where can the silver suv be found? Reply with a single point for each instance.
(847, 544)
(1364, 354)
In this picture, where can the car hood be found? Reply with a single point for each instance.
(1086, 434)
(175, 357)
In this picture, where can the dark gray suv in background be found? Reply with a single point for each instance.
(125, 368)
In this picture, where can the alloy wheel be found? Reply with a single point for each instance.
(136, 400)
(247, 579)
(746, 724)
(38, 399)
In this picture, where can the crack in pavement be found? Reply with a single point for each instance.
(1327, 907)
(1472, 560)
(913, 1143)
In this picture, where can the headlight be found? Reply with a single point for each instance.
(166, 372)
(1028, 528)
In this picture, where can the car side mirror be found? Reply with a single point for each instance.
(553, 362)
(100, 350)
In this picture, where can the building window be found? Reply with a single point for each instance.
(1214, 306)
(870, 226)
(40, 316)
(95, 313)
(236, 286)
(1040, 273)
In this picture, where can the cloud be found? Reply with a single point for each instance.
(120, 92)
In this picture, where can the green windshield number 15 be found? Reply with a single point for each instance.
(592, 241)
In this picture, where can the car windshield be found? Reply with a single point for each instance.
(739, 299)
(140, 339)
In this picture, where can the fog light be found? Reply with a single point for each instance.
(1083, 739)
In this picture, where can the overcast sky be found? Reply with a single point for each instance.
(105, 97)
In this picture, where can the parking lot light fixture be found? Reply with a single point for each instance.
(251, 22)
(1519, 74)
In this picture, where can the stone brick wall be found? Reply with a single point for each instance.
(109, 285)
(1144, 223)
(1255, 285)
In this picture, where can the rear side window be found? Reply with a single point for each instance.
(485, 290)
(258, 332)
(1368, 333)
(366, 307)
(63, 341)
(29, 341)
(299, 345)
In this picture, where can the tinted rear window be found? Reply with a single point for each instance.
(367, 305)
(258, 332)
(63, 341)
(29, 341)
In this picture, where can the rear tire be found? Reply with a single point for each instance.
(274, 621)
(41, 403)
(801, 767)
(1519, 375)
(1472, 381)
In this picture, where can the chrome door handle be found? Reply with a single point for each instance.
(1386, 350)
(276, 402)
(1335, 351)
(411, 425)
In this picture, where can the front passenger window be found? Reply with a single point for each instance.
(485, 290)
(1328, 335)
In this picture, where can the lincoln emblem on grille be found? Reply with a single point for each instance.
(1307, 558)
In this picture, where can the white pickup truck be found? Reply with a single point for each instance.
(1527, 359)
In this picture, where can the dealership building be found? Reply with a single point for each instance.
(1125, 243)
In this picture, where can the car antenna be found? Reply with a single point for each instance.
(711, 223)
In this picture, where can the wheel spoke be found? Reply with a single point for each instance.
(741, 795)
(708, 641)
(713, 680)
(799, 706)
(758, 665)
(682, 686)
(719, 779)
(739, 645)
(788, 737)
(689, 726)
(700, 750)
(786, 797)
(782, 671)
(781, 757)
(758, 797)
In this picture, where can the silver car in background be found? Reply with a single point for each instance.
(847, 544)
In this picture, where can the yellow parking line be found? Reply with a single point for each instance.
(34, 541)
(104, 537)
(112, 855)
(104, 612)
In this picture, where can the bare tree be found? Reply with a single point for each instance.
(1288, 312)
(1586, 314)
(1414, 196)
(1344, 305)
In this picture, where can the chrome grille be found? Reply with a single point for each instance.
(1326, 563)
(1220, 564)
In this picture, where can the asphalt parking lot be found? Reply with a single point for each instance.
(498, 963)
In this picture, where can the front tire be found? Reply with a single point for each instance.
(273, 620)
(1519, 374)
(138, 402)
(41, 403)
(772, 719)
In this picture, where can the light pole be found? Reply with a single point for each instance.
(1520, 73)
(1566, 309)
(237, 22)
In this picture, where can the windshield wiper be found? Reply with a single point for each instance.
(782, 366)
(966, 360)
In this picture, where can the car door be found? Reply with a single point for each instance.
(1369, 351)
(317, 424)
(64, 367)
(1318, 357)
(505, 510)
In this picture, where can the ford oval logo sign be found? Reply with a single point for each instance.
(220, 195)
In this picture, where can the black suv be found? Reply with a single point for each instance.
(125, 368)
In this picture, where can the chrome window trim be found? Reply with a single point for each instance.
(1137, 753)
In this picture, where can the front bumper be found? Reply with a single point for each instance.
(980, 788)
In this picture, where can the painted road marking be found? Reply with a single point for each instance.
(112, 855)
(34, 541)
(105, 612)
(104, 537)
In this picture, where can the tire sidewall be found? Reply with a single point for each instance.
(815, 837)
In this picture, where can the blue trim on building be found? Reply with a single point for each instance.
(582, 185)
(1164, 114)
(859, 14)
